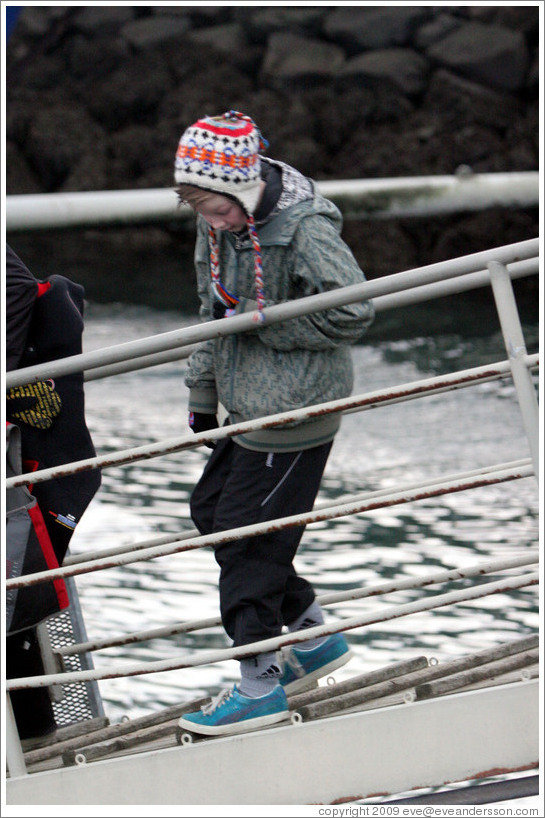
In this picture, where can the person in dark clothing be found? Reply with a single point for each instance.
(44, 321)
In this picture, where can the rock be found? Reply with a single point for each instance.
(148, 31)
(436, 29)
(19, 176)
(465, 235)
(92, 59)
(365, 27)
(91, 171)
(132, 148)
(131, 92)
(292, 60)
(519, 17)
(399, 68)
(260, 24)
(382, 248)
(493, 55)
(532, 80)
(461, 101)
(37, 21)
(97, 97)
(521, 142)
(100, 20)
(59, 135)
(228, 42)
(19, 115)
(200, 16)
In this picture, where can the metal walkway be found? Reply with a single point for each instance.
(420, 682)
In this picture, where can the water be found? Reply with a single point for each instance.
(375, 449)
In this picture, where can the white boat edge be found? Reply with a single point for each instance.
(342, 759)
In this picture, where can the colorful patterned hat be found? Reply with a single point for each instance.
(220, 154)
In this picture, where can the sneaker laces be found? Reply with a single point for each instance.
(217, 701)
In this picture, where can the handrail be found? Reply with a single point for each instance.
(381, 589)
(445, 486)
(385, 285)
(74, 559)
(407, 287)
(368, 400)
(277, 642)
(356, 198)
(416, 295)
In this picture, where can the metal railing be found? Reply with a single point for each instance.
(496, 267)
(356, 198)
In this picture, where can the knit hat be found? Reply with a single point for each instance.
(220, 154)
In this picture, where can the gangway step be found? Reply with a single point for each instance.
(496, 661)
(72, 731)
(101, 733)
(401, 681)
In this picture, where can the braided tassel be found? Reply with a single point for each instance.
(258, 271)
(221, 292)
(214, 256)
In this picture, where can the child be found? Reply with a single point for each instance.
(264, 236)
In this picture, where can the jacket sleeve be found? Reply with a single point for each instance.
(322, 262)
(200, 377)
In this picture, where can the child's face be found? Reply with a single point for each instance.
(220, 212)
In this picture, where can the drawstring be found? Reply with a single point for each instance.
(258, 271)
(221, 293)
(218, 288)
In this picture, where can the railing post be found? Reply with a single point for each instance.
(516, 350)
(14, 753)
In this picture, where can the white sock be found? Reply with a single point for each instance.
(259, 675)
(309, 619)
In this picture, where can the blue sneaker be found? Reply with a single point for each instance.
(230, 712)
(302, 668)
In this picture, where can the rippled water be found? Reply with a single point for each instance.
(375, 449)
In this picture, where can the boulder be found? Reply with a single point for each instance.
(461, 101)
(90, 60)
(292, 60)
(59, 136)
(362, 28)
(100, 20)
(260, 23)
(149, 31)
(436, 29)
(490, 54)
(227, 42)
(19, 175)
(97, 97)
(400, 68)
(130, 93)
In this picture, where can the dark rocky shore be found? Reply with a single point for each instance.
(97, 98)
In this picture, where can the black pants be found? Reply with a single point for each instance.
(259, 588)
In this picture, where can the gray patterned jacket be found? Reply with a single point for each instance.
(288, 365)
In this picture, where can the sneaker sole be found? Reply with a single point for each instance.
(245, 726)
(309, 680)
